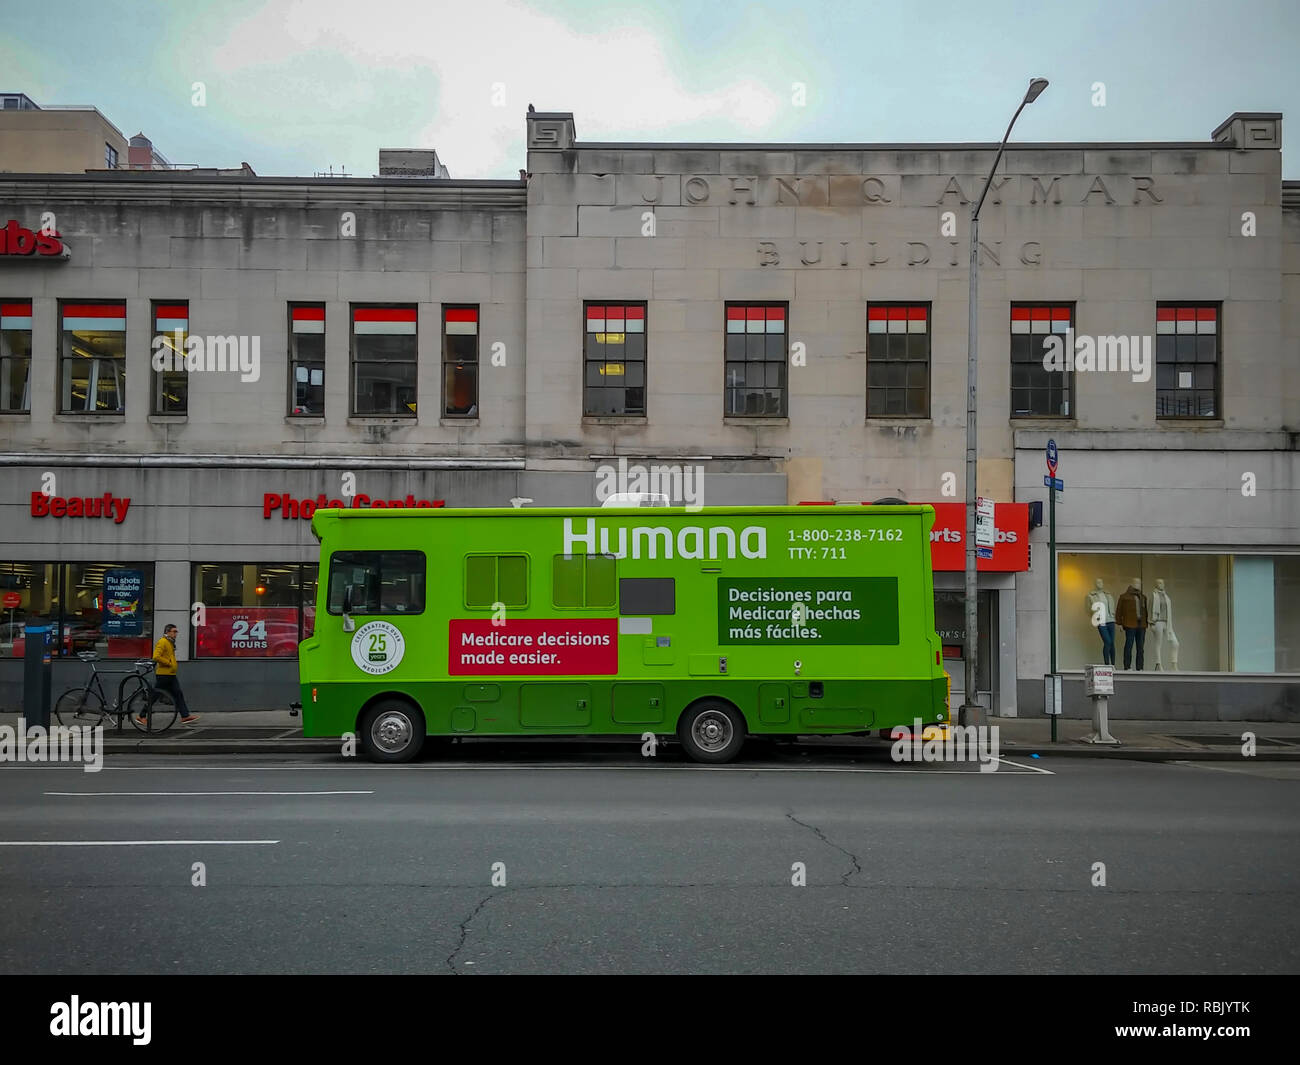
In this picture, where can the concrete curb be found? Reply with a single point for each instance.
(1064, 750)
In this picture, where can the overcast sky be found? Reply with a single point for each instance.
(298, 86)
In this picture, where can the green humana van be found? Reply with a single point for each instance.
(710, 625)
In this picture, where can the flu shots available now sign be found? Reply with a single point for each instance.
(778, 610)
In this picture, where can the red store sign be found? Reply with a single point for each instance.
(105, 506)
(20, 242)
(289, 507)
(948, 538)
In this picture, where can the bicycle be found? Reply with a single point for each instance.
(136, 698)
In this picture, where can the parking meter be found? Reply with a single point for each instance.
(36, 675)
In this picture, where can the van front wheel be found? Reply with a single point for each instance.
(392, 731)
(712, 732)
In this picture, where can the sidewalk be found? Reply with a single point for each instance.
(276, 732)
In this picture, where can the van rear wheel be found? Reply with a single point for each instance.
(392, 731)
(712, 732)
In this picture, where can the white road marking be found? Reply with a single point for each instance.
(137, 842)
(1036, 769)
(191, 793)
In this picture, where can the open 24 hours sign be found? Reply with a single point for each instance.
(248, 632)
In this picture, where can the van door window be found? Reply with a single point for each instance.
(382, 582)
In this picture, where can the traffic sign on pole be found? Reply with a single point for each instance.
(1052, 456)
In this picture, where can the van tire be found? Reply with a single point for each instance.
(391, 731)
(712, 731)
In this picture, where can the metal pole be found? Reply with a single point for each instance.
(1051, 561)
(971, 712)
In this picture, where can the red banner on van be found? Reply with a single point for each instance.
(531, 647)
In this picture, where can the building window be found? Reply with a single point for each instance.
(614, 356)
(898, 360)
(92, 606)
(254, 610)
(1036, 390)
(110, 157)
(756, 360)
(383, 361)
(171, 327)
(460, 361)
(1179, 612)
(93, 365)
(1187, 360)
(381, 582)
(15, 356)
(496, 579)
(584, 582)
(307, 359)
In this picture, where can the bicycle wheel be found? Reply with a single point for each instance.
(79, 706)
(155, 707)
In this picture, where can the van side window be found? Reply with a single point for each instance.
(382, 582)
(585, 582)
(647, 595)
(492, 579)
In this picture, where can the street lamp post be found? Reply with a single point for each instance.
(971, 712)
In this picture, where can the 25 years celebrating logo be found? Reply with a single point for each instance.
(377, 647)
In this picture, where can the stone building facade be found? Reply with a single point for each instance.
(788, 319)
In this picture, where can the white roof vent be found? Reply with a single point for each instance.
(636, 499)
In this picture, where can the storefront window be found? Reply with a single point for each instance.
(1179, 612)
(94, 606)
(950, 624)
(252, 610)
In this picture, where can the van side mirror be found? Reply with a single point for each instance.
(348, 624)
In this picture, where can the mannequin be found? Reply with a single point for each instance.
(1162, 626)
(1133, 615)
(1101, 613)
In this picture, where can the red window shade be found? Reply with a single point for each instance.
(16, 310)
(384, 314)
(94, 310)
(465, 314)
(1020, 314)
(309, 314)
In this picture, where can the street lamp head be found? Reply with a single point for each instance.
(1036, 87)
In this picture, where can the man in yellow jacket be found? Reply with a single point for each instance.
(164, 657)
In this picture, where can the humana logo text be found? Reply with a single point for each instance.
(1087, 354)
(657, 541)
(237, 354)
(102, 1018)
(957, 743)
(59, 743)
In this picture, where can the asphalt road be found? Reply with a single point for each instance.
(615, 865)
